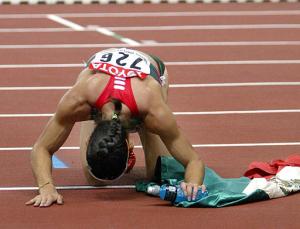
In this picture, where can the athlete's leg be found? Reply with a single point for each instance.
(153, 148)
(152, 144)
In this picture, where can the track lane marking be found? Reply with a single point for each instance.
(161, 14)
(186, 63)
(248, 84)
(34, 30)
(175, 113)
(252, 144)
(110, 33)
(232, 62)
(104, 31)
(132, 42)
(206, 27)
(158, 28)
(65, 22)
(68, 187)
(58, 163)
(43, 65)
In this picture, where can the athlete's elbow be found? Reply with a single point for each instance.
(35, 149)
(34, 155)
(39, 150)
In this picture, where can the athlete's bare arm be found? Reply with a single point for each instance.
(72, 108)
(160, 120)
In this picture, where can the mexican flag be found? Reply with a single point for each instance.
(265, 182)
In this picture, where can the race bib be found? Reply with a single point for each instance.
(122, 63)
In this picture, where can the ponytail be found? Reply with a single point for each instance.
(107, 151)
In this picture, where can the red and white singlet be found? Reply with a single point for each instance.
(121, 64)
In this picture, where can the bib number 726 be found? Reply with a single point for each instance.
(122, 59)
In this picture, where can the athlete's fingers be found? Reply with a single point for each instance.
(183, 187)
(195, 191)
(30, 202)
(43, 201)
(38, 200)
(203, 187)
(49, 201)
(60, 199)
(189, 190)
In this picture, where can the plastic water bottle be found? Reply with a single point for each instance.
(175, 194)
(153, 190)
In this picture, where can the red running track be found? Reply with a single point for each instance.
(131, 209)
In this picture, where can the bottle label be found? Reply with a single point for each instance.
(172, 188)
(171, 193)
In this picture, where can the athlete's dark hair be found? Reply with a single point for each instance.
(107, 151)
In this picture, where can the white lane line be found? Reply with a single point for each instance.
(184, 63)
(250, 84)
(252, 144)
(69, 187)
(158, 28)
(226, 43)
(105, 31)
(149, 42)
(205, 27)
(188, 14)
(175, 113)
(109, 33)
(42, 65)
(129, 41)
(238, 112)
(154, 44)
(24, 115)
(232, 62)
(33, 88)
(65, 22)
(30, 148)
(162, 14)
(248, 144)
(49, 46)
(34, 30)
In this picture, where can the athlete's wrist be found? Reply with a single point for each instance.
(46, 187)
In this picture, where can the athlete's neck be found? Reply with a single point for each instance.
(108, 110)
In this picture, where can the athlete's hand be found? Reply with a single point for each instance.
(190, 190)
(48, 195)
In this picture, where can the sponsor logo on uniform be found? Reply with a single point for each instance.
(116, 71)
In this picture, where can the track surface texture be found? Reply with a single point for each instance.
(234, 75)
